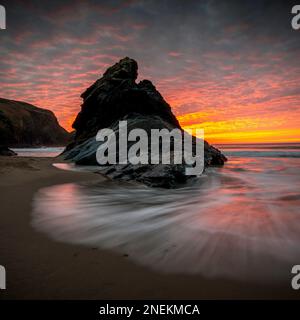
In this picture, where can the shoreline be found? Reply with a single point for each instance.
(41, 268)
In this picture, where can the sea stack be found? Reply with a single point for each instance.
(116, 96)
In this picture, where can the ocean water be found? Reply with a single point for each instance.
(39, 152)
(240, 221)
(262, 150)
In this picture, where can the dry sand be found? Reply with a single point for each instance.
(40, 268)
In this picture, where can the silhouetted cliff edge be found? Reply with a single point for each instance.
(25, 125)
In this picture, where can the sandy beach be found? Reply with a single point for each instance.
(40, 268)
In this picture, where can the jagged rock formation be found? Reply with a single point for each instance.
(115, 97)
(24, 125)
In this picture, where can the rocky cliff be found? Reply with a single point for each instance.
(114, 97)
(24, 125)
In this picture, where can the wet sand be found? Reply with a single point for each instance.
(40, 268)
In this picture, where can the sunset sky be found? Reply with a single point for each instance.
(230, 67)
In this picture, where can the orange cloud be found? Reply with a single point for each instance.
(238, 84)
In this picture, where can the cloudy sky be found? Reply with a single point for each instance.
(230, 67)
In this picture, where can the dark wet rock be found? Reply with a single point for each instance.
(117, 97)
(5, 151)
(24, 125)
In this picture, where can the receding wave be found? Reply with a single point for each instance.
(240, 221)
(39, 152)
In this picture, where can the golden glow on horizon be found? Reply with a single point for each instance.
(234, 120)
(260, 136)
(219, 127)
(241, 130)
(232, 131)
